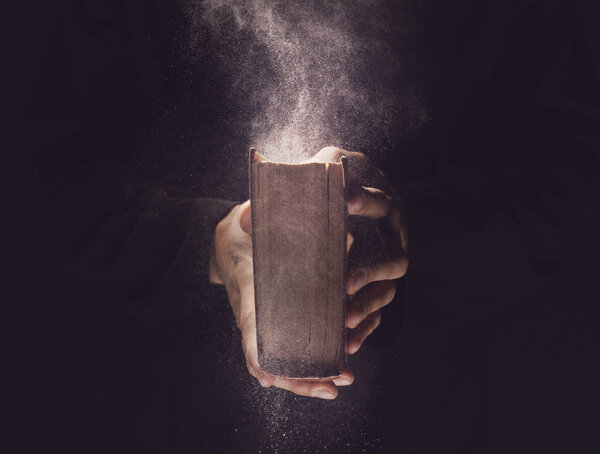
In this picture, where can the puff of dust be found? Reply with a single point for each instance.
(309, 74)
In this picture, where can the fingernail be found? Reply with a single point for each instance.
(356, 281)
(342, 381)
(324, 394)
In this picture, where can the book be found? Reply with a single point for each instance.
(299, 230)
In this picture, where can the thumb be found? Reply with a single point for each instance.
(246, 218)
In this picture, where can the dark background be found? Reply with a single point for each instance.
(492, 342)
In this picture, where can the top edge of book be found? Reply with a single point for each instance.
(255, 156)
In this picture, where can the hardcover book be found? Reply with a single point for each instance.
(299, 230)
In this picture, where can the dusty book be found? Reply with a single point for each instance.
(299, 224)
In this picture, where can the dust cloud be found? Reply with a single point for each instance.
(308, 74)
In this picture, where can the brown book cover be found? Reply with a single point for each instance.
(299, 251)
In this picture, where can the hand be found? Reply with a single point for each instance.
(370, 286)
(372, 283)
(231, 264)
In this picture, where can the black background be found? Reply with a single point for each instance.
(492, 342)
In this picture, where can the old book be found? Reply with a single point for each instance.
(299, 246)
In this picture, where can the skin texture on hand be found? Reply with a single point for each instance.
(370, 286)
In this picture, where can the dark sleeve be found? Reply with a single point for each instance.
(136, 241)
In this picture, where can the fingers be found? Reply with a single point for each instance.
(360, 169)
(383, 271)
(309, 388)
(368, 202)
(323, 389)
(347, 378)
(357, 336)
(369, 300)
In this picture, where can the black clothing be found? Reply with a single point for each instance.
(491, 345)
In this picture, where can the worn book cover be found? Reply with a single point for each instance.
(299, 252)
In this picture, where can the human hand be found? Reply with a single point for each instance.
(231, 265)
(371, 283)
